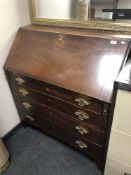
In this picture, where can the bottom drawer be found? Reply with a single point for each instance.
(67, 136)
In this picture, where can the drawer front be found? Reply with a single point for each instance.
(67, 136)
(70, 96)
(82, 128)
(78, 113)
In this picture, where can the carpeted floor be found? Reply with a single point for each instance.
(35, 153)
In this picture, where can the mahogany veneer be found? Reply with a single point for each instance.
(62, 83)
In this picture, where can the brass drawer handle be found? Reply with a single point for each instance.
(23, 92)
(82, 102)
(81, 144)
(81, 130)
(26, 105)
(82, 115)
(30, 118)
(19, 81)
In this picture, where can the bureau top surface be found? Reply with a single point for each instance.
(82, 62)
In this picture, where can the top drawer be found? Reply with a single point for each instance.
(70, 96)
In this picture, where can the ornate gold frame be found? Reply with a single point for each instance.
(94, 25)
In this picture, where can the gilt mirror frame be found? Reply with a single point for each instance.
(91, 24)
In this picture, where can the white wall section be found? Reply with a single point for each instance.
(13, 14)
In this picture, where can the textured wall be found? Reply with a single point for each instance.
(13, 14)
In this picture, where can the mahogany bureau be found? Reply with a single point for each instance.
(62, 83)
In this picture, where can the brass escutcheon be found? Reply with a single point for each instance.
(47, 89)
(49, 100)
(60, 37)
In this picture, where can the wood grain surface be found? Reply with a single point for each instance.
(84, 64)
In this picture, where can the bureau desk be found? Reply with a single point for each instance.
(62, 83)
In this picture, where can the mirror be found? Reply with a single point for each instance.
(67, 9)
(114, 15)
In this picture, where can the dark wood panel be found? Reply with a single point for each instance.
(78, 113)
(83, 129)
(84, 64)
(67, 136)
(20, 81)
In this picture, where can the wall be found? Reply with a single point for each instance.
(126, 4)
(119, 151)
(13, 14)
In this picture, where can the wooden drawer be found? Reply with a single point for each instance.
(87, 116)
(84, 102)
(67, 136)
(57, 117)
